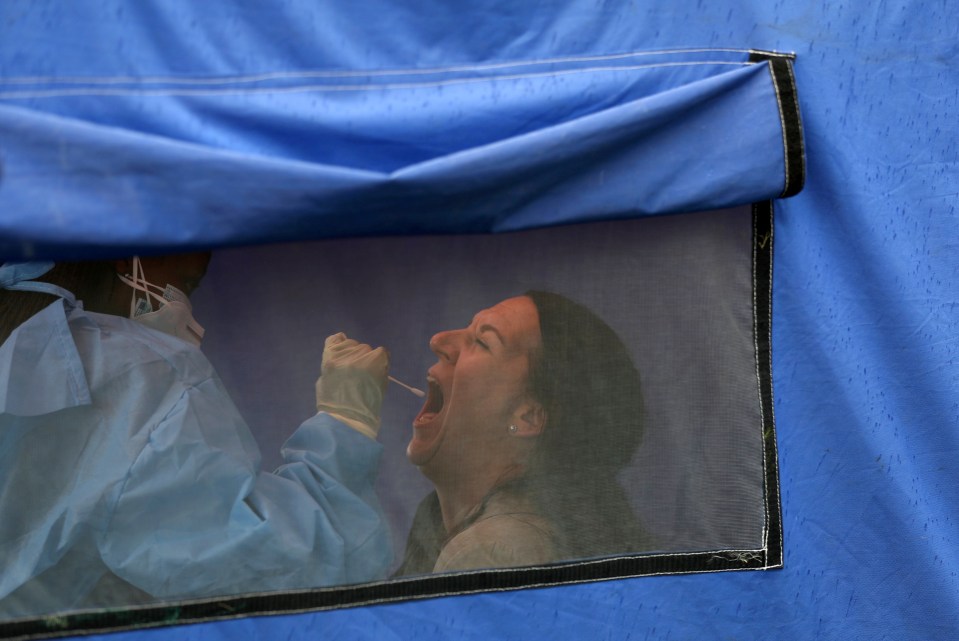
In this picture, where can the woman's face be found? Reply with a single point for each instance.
(477, 388)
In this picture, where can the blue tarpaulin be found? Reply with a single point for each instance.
(134, 164)
(151, 127)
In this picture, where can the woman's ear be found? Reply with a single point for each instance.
(530, 419)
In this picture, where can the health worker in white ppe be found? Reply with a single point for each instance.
(127, 475)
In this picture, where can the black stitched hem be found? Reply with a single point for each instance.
(431, 586)
(784, 81)
(762, 319)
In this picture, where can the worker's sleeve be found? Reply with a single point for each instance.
(196, 518)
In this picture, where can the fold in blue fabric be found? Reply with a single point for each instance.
(96, 167)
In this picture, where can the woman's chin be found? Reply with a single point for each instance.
(423, 445)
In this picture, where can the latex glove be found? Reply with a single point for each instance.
(352, 382)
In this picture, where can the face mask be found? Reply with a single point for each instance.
(175, 314)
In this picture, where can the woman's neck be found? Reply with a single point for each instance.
(460, 498)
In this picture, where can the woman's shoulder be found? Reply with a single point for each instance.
(506, 535)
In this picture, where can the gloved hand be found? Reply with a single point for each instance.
(352, 382)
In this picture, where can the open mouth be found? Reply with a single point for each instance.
(434, 402)
(428, 426)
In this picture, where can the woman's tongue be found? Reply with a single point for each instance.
(434, 403)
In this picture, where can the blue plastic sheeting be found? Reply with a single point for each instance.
(865, 293)
(117, 165)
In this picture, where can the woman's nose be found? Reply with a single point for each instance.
(446, 345)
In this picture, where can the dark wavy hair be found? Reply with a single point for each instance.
(585, 379)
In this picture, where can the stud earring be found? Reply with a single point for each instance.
(512, 429)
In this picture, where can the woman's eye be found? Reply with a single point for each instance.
(481, 343)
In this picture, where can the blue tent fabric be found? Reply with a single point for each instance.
(447, 150)
(864, 294)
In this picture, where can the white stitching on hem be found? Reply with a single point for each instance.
(772, 398)
(774, 54)
(762, 412)
(55, 93)
(731, 555)
(327, 608)
(782, 123)
(759, 380)
(278, 75)
(801, 142)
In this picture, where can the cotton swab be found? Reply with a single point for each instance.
(418, 392)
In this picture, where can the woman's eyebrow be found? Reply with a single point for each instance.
(486, 327)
